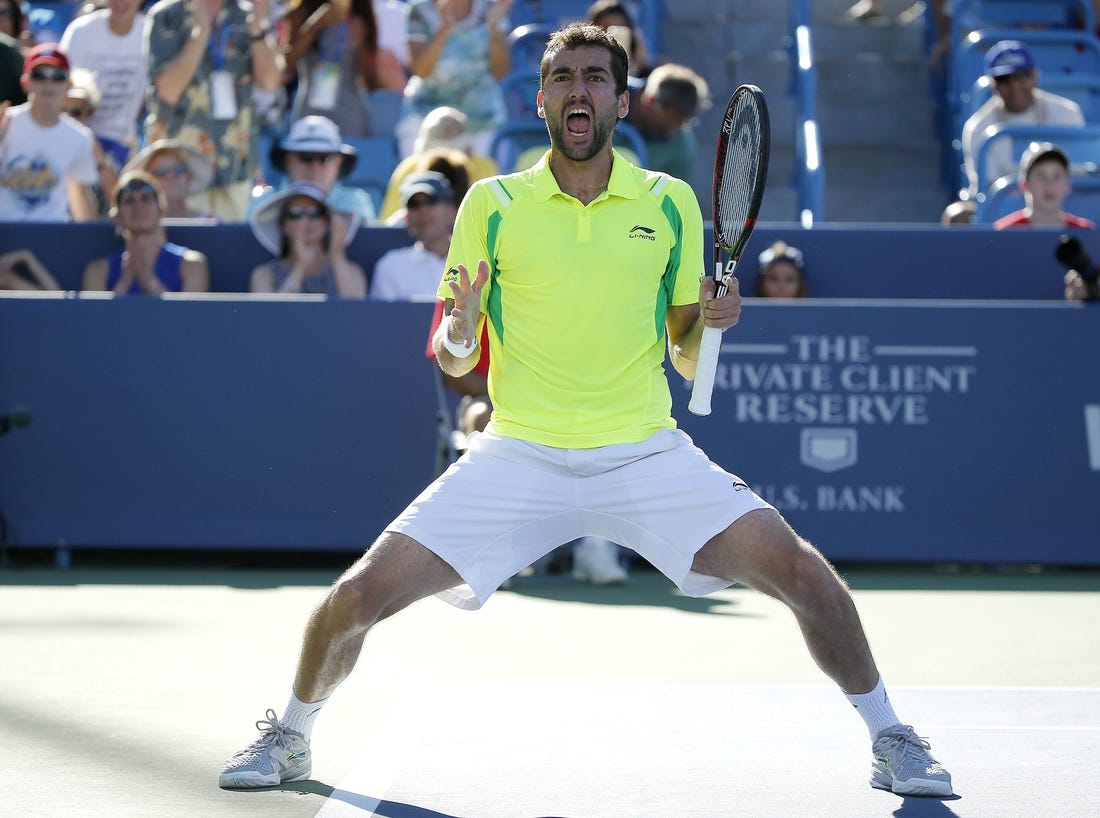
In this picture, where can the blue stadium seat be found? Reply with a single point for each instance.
(513, 138)
(377, 160)
(384, 105)
(521, 94)
(1082, 145)
(1005, 197)
(974, 15)
(527, 44)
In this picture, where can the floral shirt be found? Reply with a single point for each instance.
(230, 143)
(462, 77)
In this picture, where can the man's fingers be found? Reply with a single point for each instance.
(482, 275)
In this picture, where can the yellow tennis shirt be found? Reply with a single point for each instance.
(576, 300)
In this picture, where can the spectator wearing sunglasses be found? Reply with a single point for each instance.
(180, 172)
(314, 151)
(147, 264)
(47, 164)
(413, 273)
(307, 239)
(782, 273)
(1017, 100)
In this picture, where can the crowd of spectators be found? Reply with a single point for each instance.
(209, 97)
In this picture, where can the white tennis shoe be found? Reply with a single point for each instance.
(903, 764)
(278, 755)
(596, 560)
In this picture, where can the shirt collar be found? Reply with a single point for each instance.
(622, 182)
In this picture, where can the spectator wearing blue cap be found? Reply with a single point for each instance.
(413, 273)
(1016, 100)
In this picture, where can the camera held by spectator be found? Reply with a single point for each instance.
(1081, 280)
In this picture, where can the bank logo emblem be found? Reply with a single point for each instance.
(829, 450)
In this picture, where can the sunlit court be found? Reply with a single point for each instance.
(729, 366)
(125, 686)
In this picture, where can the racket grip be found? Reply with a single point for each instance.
(709, 347)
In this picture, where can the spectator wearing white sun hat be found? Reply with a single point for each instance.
(314, 151)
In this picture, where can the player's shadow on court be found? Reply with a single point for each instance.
(914, 807)
(644, 588)
(378, 809)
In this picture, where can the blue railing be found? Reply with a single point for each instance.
(810, 167)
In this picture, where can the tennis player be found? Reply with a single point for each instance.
(584, 268)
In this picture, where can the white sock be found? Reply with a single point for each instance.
(299, 716)
(875, 708)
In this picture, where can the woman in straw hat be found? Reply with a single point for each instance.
(180, 171)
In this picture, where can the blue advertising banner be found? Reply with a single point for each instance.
(916, 431)
(883, 430)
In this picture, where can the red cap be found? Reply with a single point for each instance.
(45, 54)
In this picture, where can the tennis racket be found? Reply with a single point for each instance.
(740, 170)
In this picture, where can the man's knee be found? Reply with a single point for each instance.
(761, 550)
(394, 573)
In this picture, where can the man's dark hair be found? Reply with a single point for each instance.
(579, 35)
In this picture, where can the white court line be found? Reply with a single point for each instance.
(388, 752)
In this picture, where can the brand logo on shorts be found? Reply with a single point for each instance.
(639, 231)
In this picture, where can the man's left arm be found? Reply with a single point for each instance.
(685, 323)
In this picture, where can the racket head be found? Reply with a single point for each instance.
(740, 169)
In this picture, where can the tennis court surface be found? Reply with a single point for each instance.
(122, 692)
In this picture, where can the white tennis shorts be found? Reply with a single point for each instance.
(507, 502)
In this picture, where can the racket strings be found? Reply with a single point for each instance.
(739, 171)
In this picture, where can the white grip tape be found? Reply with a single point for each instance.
(709, 346)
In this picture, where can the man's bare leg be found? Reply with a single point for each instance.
(393, 574)
(763, 552)
(760, 550)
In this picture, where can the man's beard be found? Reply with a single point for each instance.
(602, 136)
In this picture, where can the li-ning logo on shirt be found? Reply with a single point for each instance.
(641, 232)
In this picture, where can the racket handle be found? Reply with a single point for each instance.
(709, 347)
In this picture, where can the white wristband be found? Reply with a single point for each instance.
(458, 350)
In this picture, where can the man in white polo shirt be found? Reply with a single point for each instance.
(413, 273)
